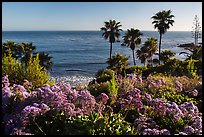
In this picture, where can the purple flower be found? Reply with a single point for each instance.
(148, 97)
(188, 130)
(196, 119)
(7, 92)
(138, 104)
(129, 75)
(193, 93)
(164, 132)
(174, 105)
(31, 110)
(5, 81)
(182, 133)
(139, 78)
(103, 97)
(137, 90)
(152, 85)
(197, 125)
(155, 131)
(19, 88)
(34, 94)
(147, 131)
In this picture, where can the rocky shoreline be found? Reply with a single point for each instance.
(188, 45)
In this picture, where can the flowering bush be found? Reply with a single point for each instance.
(61, 110)
(46, 109)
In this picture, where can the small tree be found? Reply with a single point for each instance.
(118, 62)
(196, 29)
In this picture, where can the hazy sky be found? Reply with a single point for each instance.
(91, 15)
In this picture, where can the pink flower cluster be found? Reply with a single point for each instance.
(46, 99)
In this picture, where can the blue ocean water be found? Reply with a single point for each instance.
(78, 55)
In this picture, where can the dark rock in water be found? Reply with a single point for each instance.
(186, 45)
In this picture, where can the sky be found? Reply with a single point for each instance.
(21, 16)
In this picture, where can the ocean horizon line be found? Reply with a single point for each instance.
(85, 30)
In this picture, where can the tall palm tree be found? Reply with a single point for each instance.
(151, 45)
(132, 39)
(111, 31)
(162, 21)
(142, 54)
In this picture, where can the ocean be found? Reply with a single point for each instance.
(78, 55)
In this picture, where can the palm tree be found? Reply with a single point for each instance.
(162, 21)
(142, 54)
(151, 45)
(111, 32)
(196, 53)
(132, 39)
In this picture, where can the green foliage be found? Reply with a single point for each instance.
(191, 68)
(175, 97)
(136, 70)
(59, 124)
(18, 72)
(174, 126)
(117, 63)
(105, 83)
(112, 124)
(112, 87)
(13, 68)
(97, 89)
(195, 53)
(23, 51)
(175, 67)
(36, 73)
(166, 55)
(106, 75)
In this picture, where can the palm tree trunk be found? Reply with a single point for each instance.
(151, 61)
(111, 48)
(133, 55)
(160, 46)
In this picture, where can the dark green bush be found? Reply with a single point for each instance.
(136, 70)
(117, 63)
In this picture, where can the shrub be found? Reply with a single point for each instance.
(23, 51)
(135, 70)
(108, 87)
(117, 63)
(112, 124)
(175, 67)
(13, 68)
(18, 72)
(106, 75)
